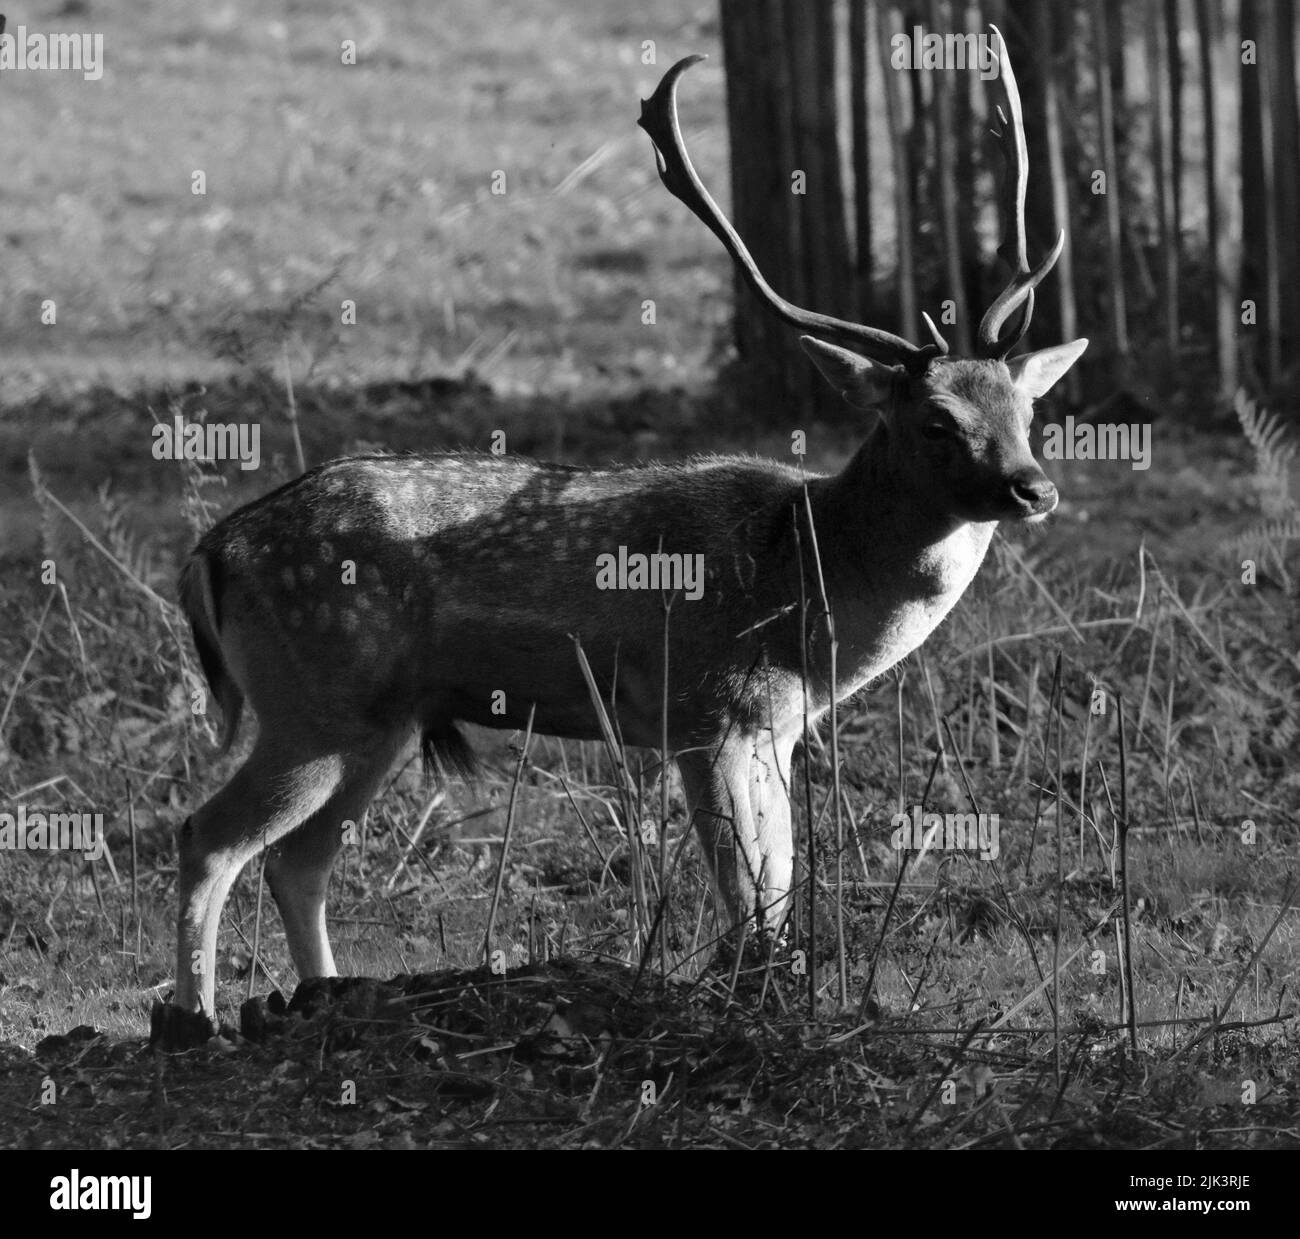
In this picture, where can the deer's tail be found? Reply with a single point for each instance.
(198, 593)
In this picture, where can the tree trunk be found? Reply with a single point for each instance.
(1174, 52)
(1055, 170)
(971, 136)
(823, 239)
(1205, 67)
(1158, 58)
(1115, 52)
(1114, 177)
(1220, 87)
(945, 153)
(1258, 202)
(1286, 167)
(787, 193)
(900, 150)
(861, 33)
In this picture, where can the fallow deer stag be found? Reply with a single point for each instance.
(379, 598)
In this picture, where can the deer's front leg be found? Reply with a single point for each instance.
(769, 807)
(737, 796)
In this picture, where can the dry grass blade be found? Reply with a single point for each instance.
(1131, 999)
(505, 842)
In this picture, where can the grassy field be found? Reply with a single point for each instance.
(379, 175)
(521, 311)
(371, 183)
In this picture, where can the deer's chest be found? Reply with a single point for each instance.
(899, 610)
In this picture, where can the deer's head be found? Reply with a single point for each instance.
(956, 428)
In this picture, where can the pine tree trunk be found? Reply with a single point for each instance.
(861, 32)
(1055, 171)
(1158, 61)
(1286, 166)
(1220, 95)
(945, 154)
(1258, 200)
(1174, 54)
(787, 193)
(898, 117)
(971, 136)
(1114, 178)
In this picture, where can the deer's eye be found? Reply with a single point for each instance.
(936, 431)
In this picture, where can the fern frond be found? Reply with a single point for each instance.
(1267, 433)
(1269, 534)
(127, 548)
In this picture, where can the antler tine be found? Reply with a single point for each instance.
(1013, 250)
(659, 120)
(936, 335)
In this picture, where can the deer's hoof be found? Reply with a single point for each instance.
(171, 1029)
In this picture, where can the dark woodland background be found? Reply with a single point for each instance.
(1188, 108)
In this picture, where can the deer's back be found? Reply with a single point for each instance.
(385, 586)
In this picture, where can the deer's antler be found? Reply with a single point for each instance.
(659, 120)
(1019, 293)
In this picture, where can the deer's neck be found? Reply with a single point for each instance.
(895, 561)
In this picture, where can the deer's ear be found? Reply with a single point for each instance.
(1037, 373)
(862, 383)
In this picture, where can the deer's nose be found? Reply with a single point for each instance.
(1033, 495)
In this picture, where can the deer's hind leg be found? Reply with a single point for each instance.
(266, 798)
(298, 868)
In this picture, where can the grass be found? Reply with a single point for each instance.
(98, 713)
(101, 717)
(377, 177)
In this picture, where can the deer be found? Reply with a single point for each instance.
(379, 600)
